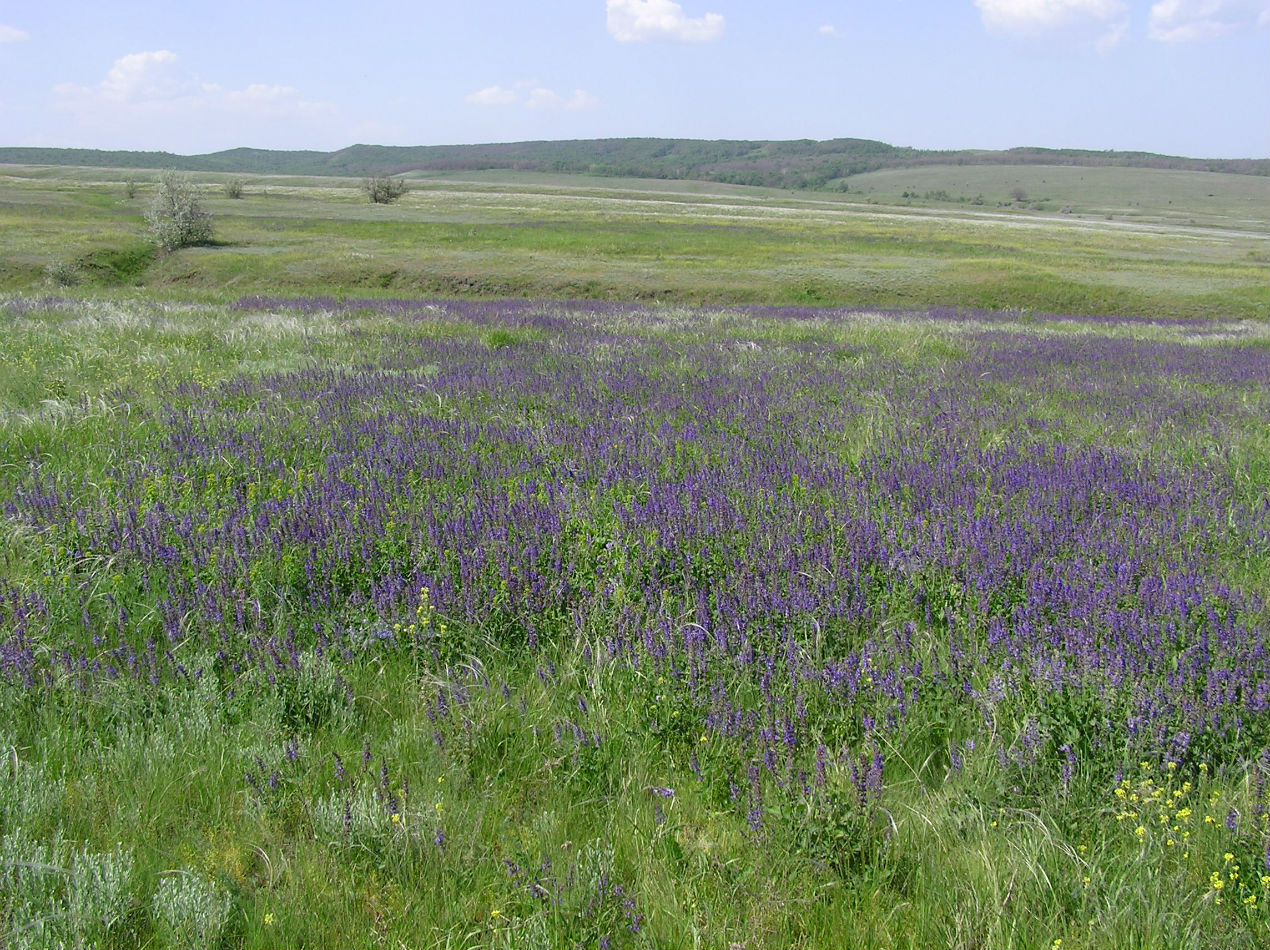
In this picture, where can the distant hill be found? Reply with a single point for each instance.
(790, 164)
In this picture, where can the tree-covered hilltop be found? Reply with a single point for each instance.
(801, 163)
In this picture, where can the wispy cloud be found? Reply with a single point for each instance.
(528, 94)
(11, 34)
(828, 30)
(1186, 21)
(493, 96)
(1098, 23)
(643, 21)
(155, 83)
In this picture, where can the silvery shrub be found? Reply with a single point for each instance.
(176, 217)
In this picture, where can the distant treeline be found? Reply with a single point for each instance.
(791, 164)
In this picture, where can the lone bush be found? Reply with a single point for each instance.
(384, 191)
(176, 216)
(62, 273)
(234, 188)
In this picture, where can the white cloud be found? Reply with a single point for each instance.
(155, 83)
(1100, 23)
(141, 78)
(639, 21)
(530, 95)
(1185, 21)
(493, 96)
(11, 34)
(828, 30)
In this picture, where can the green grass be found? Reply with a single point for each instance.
(111, 798)
(560, 236)
(132, 816)
(1136, 194)
(948, 860)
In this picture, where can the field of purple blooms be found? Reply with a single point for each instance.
(525, 623)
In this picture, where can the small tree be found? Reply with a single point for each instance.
(384, 191)
(1018, 194)
(234, 188)
(176, 216)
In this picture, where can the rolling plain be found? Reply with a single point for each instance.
(549, 560)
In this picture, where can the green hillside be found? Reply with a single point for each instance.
(788, 164)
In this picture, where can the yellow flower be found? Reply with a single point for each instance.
(268, 920)
(396, 818)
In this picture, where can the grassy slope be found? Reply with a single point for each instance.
(508, 234)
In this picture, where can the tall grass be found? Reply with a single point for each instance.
(436, 624)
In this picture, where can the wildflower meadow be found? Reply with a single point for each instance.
(521, 623)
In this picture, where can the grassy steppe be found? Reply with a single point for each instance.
(370, 620)
(1205, 254)
(519, 624)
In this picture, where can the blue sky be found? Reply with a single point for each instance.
(1188, 77)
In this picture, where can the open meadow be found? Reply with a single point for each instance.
(1128, 241)
(549, 562)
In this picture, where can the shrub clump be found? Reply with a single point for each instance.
(62, 273)
(176, 217)
(384, 191)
